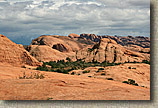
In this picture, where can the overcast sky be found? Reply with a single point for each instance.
(24, 20)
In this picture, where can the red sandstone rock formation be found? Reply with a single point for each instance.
(108, 50)
(16, 55)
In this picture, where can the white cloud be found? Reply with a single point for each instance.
(35, 17)
(2, 1)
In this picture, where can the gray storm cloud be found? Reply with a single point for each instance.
(23, 20)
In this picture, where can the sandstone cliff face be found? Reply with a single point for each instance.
(16, 55)
(46, 53)
(53, 48)
(60, 43)
(108, 50)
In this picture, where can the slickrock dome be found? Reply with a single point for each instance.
(46, 53)
(60, 43)
(14, 54)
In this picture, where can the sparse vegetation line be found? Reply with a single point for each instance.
(65, 67)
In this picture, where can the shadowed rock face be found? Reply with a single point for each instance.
(108, 50)
(91, 37)
(13, 54)
(60, 47)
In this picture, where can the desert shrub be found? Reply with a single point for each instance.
(49, 98)
(68, 59)
(109, 78)
(32, 76)
(129, 68)
(130, 81)
(145, 61)
(135, 84)
(85, 71)
(61, 66)
(133, 68)
(41, 76)
(89, 76)
(101, 69)
(63, 71)
(42, 68)
(102, 73)
(97, 71)
(125, 82)
(73, 73)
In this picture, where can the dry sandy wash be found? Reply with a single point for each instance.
(57, 86)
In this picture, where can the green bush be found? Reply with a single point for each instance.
(125, 82)
(109, 78)
(61, 66)
(49, 98)
(130, 81)
(101, 69)
(68, 59)
(133, 68)
(102, 73)
(73, 73)
(145, 61)
(135, 84)
(85, 71)
(129, 68)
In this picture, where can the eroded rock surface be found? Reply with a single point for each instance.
(124, 41)
(60, 43)
(108, 50)
(14, 54)
(46, 53)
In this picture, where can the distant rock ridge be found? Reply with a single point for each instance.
(73, 35)
(108, 50)
(14, 54)
(90, 47)
(124, 41)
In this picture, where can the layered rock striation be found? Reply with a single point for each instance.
(107, 50)
(14, 54)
